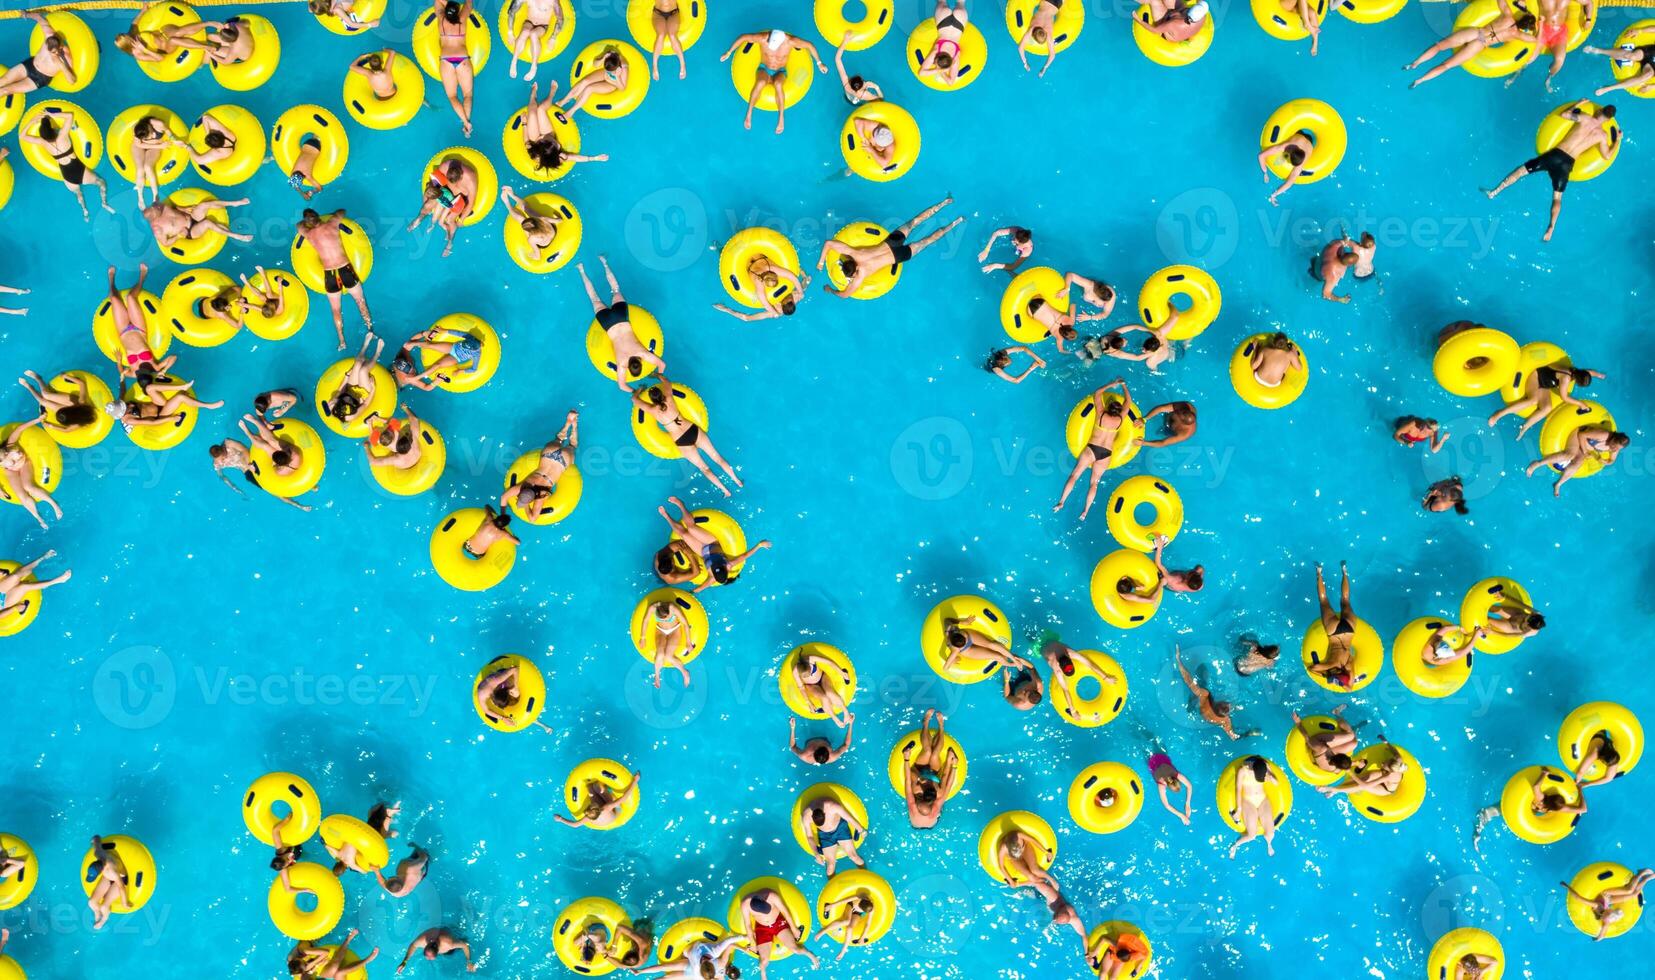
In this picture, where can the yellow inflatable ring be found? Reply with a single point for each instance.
(863, 234)
(363, 11)
(695, 623)
(427, 43)
(841, 795)
(19, 620)
(1530, 357)
(512, 140)
(1101, 708)
(1042, 282)
(1170, 54)
(1029, 824)
(551, 45)
(359, 249)
(859, 35)
(616, 104)
(288, 135)
(601, 351)
(531, 690)
(747, 62)
(1483, 597)
(181, 303)
(488, 185)
(1640, 33)
(1561, 425)
(8, 182)
(576, 920)
(11, 111)
(724, 529)
(1409, 795)
(1106, 577)
(392, 113)
(44, 454)
(1496, 61)
(1071, 17)
(341, 829)
(1091, 815)
(1517, 805)
(1370, 11)
(857, 883)
(1144, 491)
(256, 69)
(1280, 24)
(1299, 760)
(461, 380)
(692, 22)
(89, 147)
(1475, 362)
(989, 622)
(655, 439)
(1327, 136)
(108, 338)
(246, 157)
(329, 898)
(1579, 28)
(182, 62)
(1193, 284)
(972, 57)
(98, 395)
(1585, 723)
(16, 888)
(312, 460)
(350, 963)
(383, 403)
(565, 239)
(159, 437)
(1251, 391)
(1592, 881)
(1367, 655)
(738, 254)
(168, 165)
(606, 772)
(258, 808)
(1426, 679)
(194, 251)
(83, 49)
(798, 907)
(295, 301)
(1279, 794)
(1554, 127)
(1129, 438)
(1456, 945)
(897, 769)
(423, 475)
(455, 566)
(1112, 932)
(794, 696)
(904, 130)
(140, 872)
(560, 503)
(681, 935)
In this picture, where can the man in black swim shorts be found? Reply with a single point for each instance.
(1589, 129)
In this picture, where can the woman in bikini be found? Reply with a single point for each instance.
(704, 554)
(498, 691)
(1544, 391)
(1167, 778)
(1252, 806)
(158, 45)
(108, 877)
(665, 18)
(608, 75)
(1329, 751)
(1094, 293)
(456, 357)
(539, 230)
(1108, 418)
(1588, 442)
(856, 88)
(623, 947)
(18, 472)
(603, 804)
(311, 961)
(16, 591)
(1295, 150)
(489, 533)
(62, 412)
(1379, 779)
(1000, 359)
(1157, 348)
(1600, 750)
(1411, 430)
(944, 57)
(670, 637)
(167, 399)
(1604, 904)
(763, 276)
(930, 772)
(1212, 711)
(859, 262)
(1340, 628)
(457, 69)
(350, 400)
(1469, 42)
(150, 137)
(960, 640)
(540, 139)
(810, 674)
(38, 70)
(1063, 660)
(57, 134)
(766, 921)
(542, 23)
(531, 493)
(1642, 56)
(692, 441)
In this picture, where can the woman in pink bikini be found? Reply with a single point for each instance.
(457, 70)
(944, 57)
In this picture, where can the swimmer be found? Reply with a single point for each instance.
(1256, 657)
(285, 856)
(438, 941)
(1117, 958)
(62, 412)
(150, 136)
(1329, 751)
(1274, 358)
(1642, 56)
(1062, 910)
(338, 275)
(776, 48)
(345, 10)
(1600, 749)
(539, 230)
(1178, 581)
(943, 59)
(1019, 856)
(1542, 801)
(17, 590)
(57, 134)
(615, 319)
(671, 638)
(701, 960)
(457, 357)
(831, 831)
(763, 277)
(542, 24)
(1099, 447)
(167, 398)
(275, 404)
(999, 360)
(853, 914)
(1444, 495)
(154, 46)
(603, 804)
(1546, 389)
(228, 42)
(1022, 246)
(540, 139)
(456, 67)
(1252, 806)
(410, 872)
(1042, 24)
(532, 492)
(817, 751)
(693, 443)
(345, 856)
(12, 290)
(666, 18)
(172, 224)
(959, 639)
(302, 177)
(1180, 423)
(1411, 430)
(1336, 663)
(498, 691)
(701, 550)
(38, 70)
(1379, 779)
(1603, 905)
(1062, 660)
(1513, 617)
(1157, 347)
(857, 89)
(609, 75)
(1022, 687)
(19, 475)
(1166, 777)
(355, 392)
(1469, 42)
(860, 262)
(1059, 324)
(284, 455)
(1295, 150)
(1588, 442)
(231, 455)
(312, 962)
(109, 873)
(490, 533)
(930, 771)
(1220, 713)
(375, 66)
(448, 199)
(1177, 20)
(809, 672)
(1093, 292)
(768, 925)
(1329, 266)
(877, 140)
(1587, 132)
(622, 947)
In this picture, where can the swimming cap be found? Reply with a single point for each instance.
(776, 40)
(1198, 12)
(883, 137)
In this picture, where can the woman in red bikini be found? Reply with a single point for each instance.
(1411, 430)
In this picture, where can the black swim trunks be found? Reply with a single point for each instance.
(340, 279)
(612, 316)
(900, 252)
(1556, 164)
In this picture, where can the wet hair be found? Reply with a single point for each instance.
(1339, 760)
(501, 520)
(1183, 411)
(1112, 341)
(818, 815)
(1551, 802)
(1461, 508)
(502, 697)
(1039, 34)
(1608, 754)
(1068, 331)
(856, 82)
(1607, 112)
(146, 373)
(847, 265)
(1279, 341)
(1619, 440)
(374, 62)
(286, 856)
(1222, 709)
(1581, 377)
(1367, 238)
(1022, 236)
(309, 214)
(451, 11)
(1294, 155)
(1526, 23)
(656, 396)
(997, 359)
(77, 414)
(546, 152)
(48, 127)
(1269, 652)
(281, 457)
(630, 958)
(611, 59)
(1126, 584)
(1535, 621)
(1114, 410)
(663, 561)
(1195, 579)
(821, 754)
(788, 306)
(216, 451)
(944, 60)
(215, 140)
(1152, 343)
(956, 637)
(635, 365)
(261, 403)
(1260, 768)
(926, 791)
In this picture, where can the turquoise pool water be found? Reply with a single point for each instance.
(207, 639)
